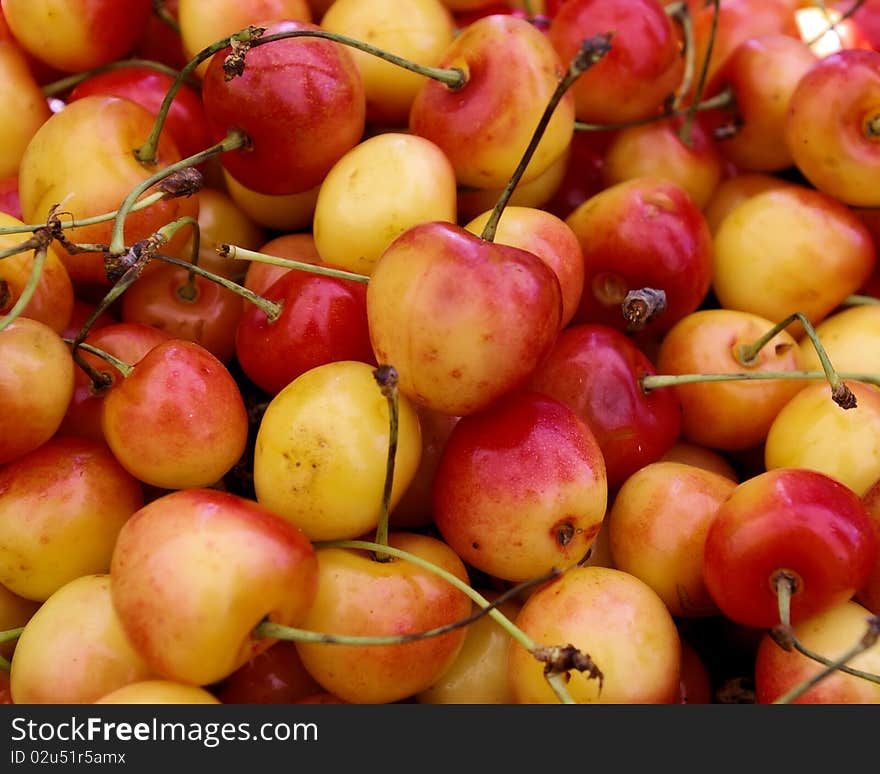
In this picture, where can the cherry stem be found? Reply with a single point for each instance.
(641, 306)
(785, 584)
(160, 10)
(722, 99)
(187, 292)
(387, 379)
(146, 154)
(690, 115)
(453, 78)
(99, 379)
(867, 641)
(858, 300)
(282, 632)
(591, 51)
(556, 679)
(140, 205)
(10, 634)
(243, 254)
(29, 289)
(5, 665)
(832, 25)
(62, 85)
(840, 393)
(656, 381)
(682, 15)
(272, 309)
(872, 127)
(235, 139)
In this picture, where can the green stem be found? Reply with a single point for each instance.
(868, 640)
(270, 308)
(453, 78)
(160, 10)
(592, 50)
(387, 379)
(690, 115)
(121, 366)
(146, 154)
(29, 289)
(243, 254)
(682, 15)
(5, 665)
(656, 381)
(10, 634)
(141, 204)
(840, 393)
(859, 300)
(557, 681)
(188, 291)
(235, 139)
(62, 85)
(722, 99)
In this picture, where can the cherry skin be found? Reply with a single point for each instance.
(273, 676)
(526, 466)
(595, 370)
(642, 233)
(195, 570)
(323, 319)
(788, 520)
(300, 101)
(74, 649)
(869, 594)
(462, 319)
(178, 419)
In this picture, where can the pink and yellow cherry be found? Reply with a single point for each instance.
(659, 150)
(203, 25)
(763, 245)
(21, 92)
(61, 508)
(547, 236)
(787, 527)
(74, 650)
(323, 319)
(485, 126)
(812, 431)
(296, 246)
(300, 101)
(642, 233)
(462, 319)
(194, 571)
(36, 385)
(728, 415)
(360, 596)
(185, 120)
(830, 633)
(177, 419)
(320, 458)
(479, 673)
(833, 126)
(10, 204)
(417, 30)
(186, 306)
(272, 676)
(127, 341)
(761, 73)
(643, 68)
(77, 35)
(528, 466)
(657, 525)
(378, 189)
(52, 300)
(83, 157)
(596, 370)
(616, 620)
(158, 692)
